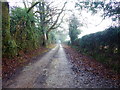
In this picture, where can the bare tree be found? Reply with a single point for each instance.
(49, 17)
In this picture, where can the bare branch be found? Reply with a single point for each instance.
(24, 4)
(32, 6)
(59, 23)
(57, 18)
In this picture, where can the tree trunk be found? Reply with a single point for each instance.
(44, 40)
(42, 20)
(5, 21)
(1, 32)
(8, 45)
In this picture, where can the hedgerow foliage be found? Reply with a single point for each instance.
(105, 41)
(20, 32)
(103, 46)
(23, 29)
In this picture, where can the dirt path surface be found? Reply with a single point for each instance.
(31, 72)
(59, 73)
(54, 70)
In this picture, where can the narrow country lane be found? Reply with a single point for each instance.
(60, 44)
(31, 72)
(54, 70)
(60, 74)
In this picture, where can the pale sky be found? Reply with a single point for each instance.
(91, 20)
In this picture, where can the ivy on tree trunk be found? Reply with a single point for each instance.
(9, 46)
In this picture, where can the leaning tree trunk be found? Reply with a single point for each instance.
(8, 45)
(42, 19)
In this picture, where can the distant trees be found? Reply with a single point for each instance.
(73, 29)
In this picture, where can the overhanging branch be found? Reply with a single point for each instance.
(57, 18)
(59, 23)
(32, 6)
